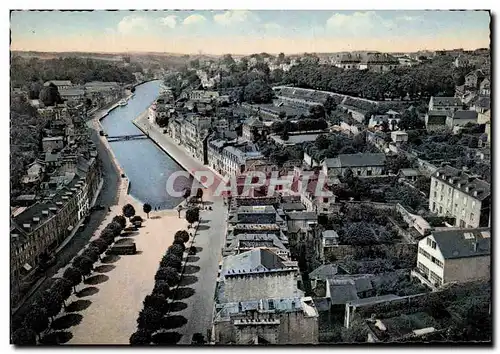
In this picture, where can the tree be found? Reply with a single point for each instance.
(157, 302)
(114, 228)
(99, 244)
(147, 209)
(183, 235)
(162, 287)
(285, 135)
(322, 142)
(199, 194)
(281, 115)
(329, 104)
(140, 337)
(410, 197)
(37, 319)
(171, 260)
(34, 90)
(128, 210)
(177, 249)
(394, 164)
(107, 236)
(73, 276)
(410, 121)
(24, 336)
(258, 92)
(63, 287)
(83, 264)
(91, 253)
(168, 275)
(317, 111)
(120, 220)
(149, 319)
(50, 96)
(192, 215)
(51, 302)
(358, 234)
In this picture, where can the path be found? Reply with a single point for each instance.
(210, 239)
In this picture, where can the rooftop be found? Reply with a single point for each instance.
(466, 183)
(463, 114)
(446, 101)
(356, 160)
(461, 243)
(302, 215)
(257, 260)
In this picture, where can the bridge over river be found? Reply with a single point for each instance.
(115, 138)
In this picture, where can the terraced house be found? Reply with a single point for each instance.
(462, 196)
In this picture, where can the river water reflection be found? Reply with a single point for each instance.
(144, 163)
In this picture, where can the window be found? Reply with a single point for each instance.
(471, 216)
(359, 172)
(442, 186)
(434, 206)
(449, 190)
(441, 198)
(435, 194)
(433, 244)
(325, 200)
(435, 184)
(436, 278)
(473, 205)
(369, 173)
(440, 210)
(437, 262)
(423, 268)
(428, 242)
(424, 253)
(465, 201)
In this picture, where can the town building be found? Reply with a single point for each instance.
(52, 143)
(282, 321)
(474, 79)
(461, 62)
(61, 84)
(435, 120)
(455, 193)
(450, 104)
(485, 87)
(399, 137)
(460, 118)
(378, 62)
(361, 164)
(251, 127)
(391, 117)
(348, 61)
(454, 256)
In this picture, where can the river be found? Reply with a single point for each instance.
(145, 164)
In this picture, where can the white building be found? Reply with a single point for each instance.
(464, 197)
(454, 256)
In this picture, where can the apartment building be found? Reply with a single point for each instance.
(449, 104)
(454, 256)
(460, 195)
(361, 164)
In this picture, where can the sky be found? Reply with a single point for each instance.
(248, 31)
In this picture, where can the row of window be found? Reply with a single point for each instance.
(431, 258)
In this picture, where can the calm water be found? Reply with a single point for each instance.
(145, 164)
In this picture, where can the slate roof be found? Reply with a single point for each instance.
(342, 291)
(257, 260)
(324, 272)
(356, 160)
(58, 83)
(409, 172)
(302, 215)
(454, 244)
(483, 102)
(373, 300)
(446, 101)
(465, 180)
(293, 206)
(254, 122)
(463, 114)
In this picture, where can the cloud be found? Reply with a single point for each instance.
(271, 26)
(234, 16)
(169, 21)
(131, 23)
(358, 23)
(409, 18)
(194, 19)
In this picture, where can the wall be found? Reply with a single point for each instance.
(260, 286)
(295, 328)
(400, 250)
(467, 269)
